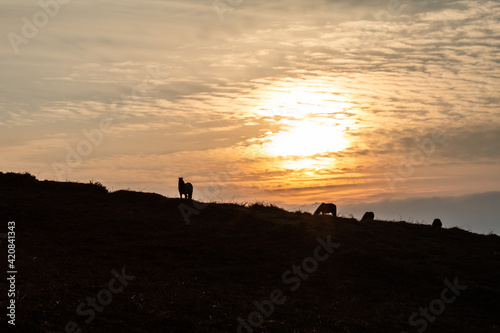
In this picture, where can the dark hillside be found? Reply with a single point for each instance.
(201, 277)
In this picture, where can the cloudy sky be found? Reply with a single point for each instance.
(292, 102)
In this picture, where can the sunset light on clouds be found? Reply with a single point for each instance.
(291, 102)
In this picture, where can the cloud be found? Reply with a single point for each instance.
(394, 80)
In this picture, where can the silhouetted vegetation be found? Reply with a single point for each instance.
(11, 178)
(201, 277)
(99, 186)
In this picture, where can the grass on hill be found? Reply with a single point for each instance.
(203, 276)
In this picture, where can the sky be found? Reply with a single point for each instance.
(384, 105)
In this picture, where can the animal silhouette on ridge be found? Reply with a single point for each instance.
(437, 223)
(368, 217)
(326, 208)
(186, 189)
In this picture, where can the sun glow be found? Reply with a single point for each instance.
(306, 138)
(312, 119)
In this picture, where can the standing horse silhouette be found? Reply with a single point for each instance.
(186, 189)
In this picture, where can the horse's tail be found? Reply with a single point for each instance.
(189, 190)
(333, 210)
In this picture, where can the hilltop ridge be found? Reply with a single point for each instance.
(212, 274)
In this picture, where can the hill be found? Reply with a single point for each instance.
(126, 261)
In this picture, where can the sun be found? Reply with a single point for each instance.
(311, 118)
(307, 137)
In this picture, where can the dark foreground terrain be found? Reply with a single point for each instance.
(127, 262)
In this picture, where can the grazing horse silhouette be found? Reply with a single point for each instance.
(437, 223)
(326, 208)
(368, 217)
(186, 189)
